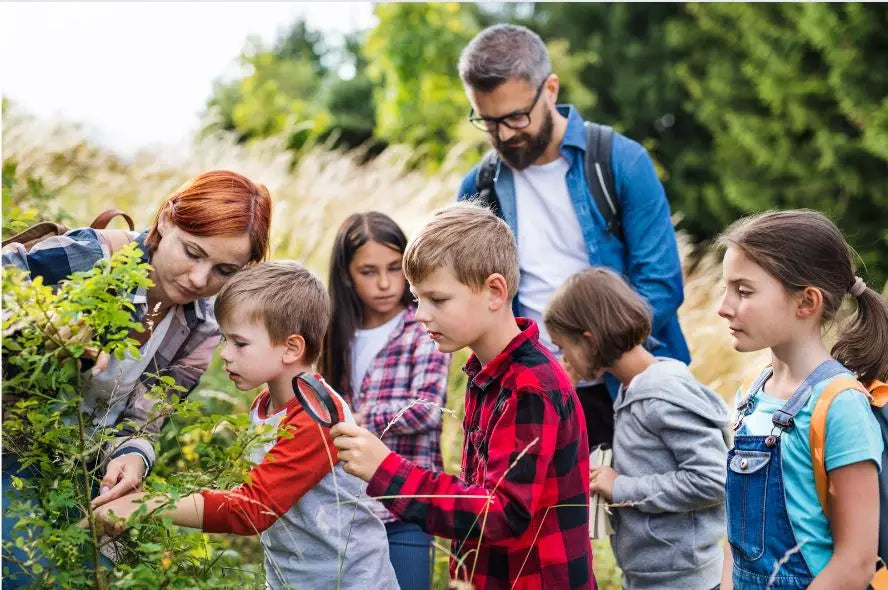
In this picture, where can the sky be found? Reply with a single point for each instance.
(137, 75)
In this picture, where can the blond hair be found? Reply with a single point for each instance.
(599, 301)
(285, 296)
(470, 239)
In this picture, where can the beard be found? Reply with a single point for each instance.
(519, 157)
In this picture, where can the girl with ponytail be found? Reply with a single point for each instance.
(786, 274)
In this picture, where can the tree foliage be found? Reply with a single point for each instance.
(744, 107)
(50, 335)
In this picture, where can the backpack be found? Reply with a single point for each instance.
(599, 177)
(877, 394)
(46, 229)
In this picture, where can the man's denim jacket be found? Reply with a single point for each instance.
(647, 256)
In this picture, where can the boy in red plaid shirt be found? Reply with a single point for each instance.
(518, 513)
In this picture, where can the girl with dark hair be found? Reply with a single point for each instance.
(786, 274)
(385, 365)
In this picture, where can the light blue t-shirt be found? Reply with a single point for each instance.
(852, 436)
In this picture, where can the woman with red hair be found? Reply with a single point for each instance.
(207, 230)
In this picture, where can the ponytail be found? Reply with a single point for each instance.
(863, 343)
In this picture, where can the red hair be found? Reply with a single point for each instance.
(218, 203)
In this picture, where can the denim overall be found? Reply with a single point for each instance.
(759, 529)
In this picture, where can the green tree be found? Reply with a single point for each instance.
(295, 87)
(278, 95)
(617, 65)
(413, 54)
(796, 109)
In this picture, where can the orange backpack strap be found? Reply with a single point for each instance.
(879, 393)
(817, 433)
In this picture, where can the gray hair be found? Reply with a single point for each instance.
(501, 52)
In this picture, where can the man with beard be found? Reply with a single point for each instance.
(540, 188)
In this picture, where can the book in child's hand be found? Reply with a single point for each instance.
(599, 523)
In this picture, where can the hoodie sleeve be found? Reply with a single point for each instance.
(699, 449)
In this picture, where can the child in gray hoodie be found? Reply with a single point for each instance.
(670, 437)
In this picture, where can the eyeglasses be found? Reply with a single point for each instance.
(516, 120)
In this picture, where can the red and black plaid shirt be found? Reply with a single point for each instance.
(519, 513)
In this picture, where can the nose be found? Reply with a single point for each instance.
(725, 310)
(384, 282)
(422, 314)
(225, 353)
(199, 276)
(505, 133)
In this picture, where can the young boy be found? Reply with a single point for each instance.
(670, 451)
(273, 316)
(518, 514)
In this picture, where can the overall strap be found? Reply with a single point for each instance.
(749, 393)
(784, 418)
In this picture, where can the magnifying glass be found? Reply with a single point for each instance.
(316, 399)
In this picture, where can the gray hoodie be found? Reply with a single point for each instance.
(670, 449)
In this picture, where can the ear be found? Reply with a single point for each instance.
(809, 302)
(294, 348)
(163, 221)
(590, 341)
(553, 85)
(497, 292)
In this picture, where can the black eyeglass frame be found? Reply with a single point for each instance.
(483, 123)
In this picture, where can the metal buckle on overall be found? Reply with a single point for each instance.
(771, 439)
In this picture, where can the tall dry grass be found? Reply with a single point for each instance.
(311, 197)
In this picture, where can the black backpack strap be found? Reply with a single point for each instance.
(484, 181)
(600, 175)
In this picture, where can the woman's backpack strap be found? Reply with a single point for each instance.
(105, 217)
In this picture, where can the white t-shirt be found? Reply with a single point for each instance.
(551, 247)
(366, 346)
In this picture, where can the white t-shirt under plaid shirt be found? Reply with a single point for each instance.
(407, 375)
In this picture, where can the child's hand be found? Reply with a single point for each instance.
(359, 449)
(112, 518)
(601, 481)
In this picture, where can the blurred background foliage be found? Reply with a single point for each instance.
(744, 107)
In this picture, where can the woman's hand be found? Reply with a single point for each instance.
(123, 476)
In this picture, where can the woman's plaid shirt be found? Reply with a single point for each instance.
(519, 512)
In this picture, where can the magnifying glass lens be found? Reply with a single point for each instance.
(316, 399)
(312, 401)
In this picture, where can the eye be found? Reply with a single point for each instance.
(192, 254)
(744, 292)
(368, 273)
(225, 271)
(239, 344)
(438, 300)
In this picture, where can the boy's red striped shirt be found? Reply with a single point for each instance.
(518, 514)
